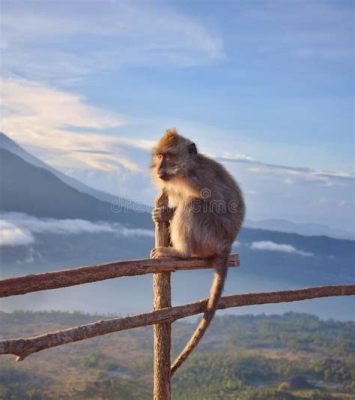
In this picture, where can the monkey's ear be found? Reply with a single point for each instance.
(192, 149)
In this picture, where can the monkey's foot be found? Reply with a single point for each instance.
(163, 252)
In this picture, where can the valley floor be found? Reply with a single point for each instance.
(294, 356)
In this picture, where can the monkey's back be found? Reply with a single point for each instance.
(207, 225)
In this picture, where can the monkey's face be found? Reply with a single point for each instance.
(172, 158)
(165, 165)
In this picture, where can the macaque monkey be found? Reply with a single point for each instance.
(206, 211)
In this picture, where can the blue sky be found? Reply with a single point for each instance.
(265, 86)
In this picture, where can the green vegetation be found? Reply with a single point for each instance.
(289, 357)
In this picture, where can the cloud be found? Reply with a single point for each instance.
(294, 193)
(12, 235)
(57, 124)
(73, 41)
(19, 229)
(289, 174)
(238, 157)
(53, 107)
(272, 246)
(136, 232)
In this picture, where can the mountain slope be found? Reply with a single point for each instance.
(305, 229)
(8, 144)
(36, 191)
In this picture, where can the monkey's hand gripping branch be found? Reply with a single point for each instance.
(162, 214)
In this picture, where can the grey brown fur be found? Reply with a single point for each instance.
(206, 211)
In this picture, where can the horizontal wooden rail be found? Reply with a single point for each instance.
(24, 347)
(77, 276)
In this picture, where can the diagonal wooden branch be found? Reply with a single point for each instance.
(24, 347)
(116, 269)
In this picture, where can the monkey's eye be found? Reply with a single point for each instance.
(168, 156)
(160, 157)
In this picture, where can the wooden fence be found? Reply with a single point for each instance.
(162, 316)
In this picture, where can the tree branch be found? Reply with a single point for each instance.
(100, 272)
(24, 347)
(161, 300)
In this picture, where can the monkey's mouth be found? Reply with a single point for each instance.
(163, 176)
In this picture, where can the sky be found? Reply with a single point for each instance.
(265, 87)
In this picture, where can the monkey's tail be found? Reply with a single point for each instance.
(216, 290)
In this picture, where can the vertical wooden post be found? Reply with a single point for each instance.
(162, 299)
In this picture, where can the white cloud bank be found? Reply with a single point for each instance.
(289, 175)
(12, 235)
(18, 229)
(297, 194)
(63, 130)
(266, 245)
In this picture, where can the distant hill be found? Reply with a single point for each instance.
(306, 229)
(37, 191)
(8, 144)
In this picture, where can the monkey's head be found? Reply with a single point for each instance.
(173, 157)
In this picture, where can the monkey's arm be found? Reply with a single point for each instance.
(162, 214)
